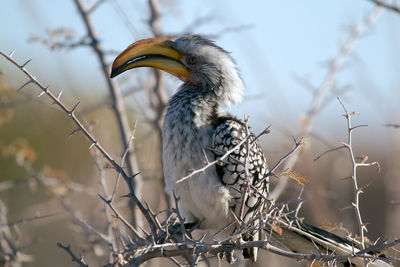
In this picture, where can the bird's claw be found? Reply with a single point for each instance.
(227, 251)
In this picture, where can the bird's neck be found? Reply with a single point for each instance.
(194, 105)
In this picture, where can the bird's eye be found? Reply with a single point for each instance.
(192, 60)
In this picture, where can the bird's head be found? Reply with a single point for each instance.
(191, 58)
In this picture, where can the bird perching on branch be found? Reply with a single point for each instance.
(197, 130)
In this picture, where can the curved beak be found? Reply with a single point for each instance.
(153, 52)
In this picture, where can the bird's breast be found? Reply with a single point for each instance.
(186, 144)
(183, 143)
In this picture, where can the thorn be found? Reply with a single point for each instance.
(26, 63)
(12, 53)
(358, 126)
(108, 201)
(346, 208)
(42, 93)
(59, 94)
(92, 145)
(44, 90)
(71, 112)
(300, 142)
(136, 174)
(202, 237)
(267, 130)
(76, 105)
(25, 84)
(345, 144)
(73, 132)
(175, 196)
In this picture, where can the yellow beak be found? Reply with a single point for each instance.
(152, 52)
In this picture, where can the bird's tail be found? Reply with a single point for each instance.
(302, 237)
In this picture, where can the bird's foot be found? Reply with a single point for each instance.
(227, 251)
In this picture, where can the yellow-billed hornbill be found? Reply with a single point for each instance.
(196, 127)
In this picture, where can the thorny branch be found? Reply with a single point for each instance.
(76, 259)
(124, 155)
(356, 189)
(186, 248)
(326, 85)
(329, 151)
(29, 219)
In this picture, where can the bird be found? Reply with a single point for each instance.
(197, 130)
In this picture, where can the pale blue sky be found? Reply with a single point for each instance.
(286, 38)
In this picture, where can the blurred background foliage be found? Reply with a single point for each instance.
(33, 133)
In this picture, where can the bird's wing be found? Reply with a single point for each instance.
(232, 170)
(229, 133)
(297, 236)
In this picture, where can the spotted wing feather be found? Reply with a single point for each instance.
(228, 134)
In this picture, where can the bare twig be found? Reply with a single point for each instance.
(122, 219)
(387, 5)
(127, 149)
(328, 151)
(96, 5)
(109, 224)
(297, 144)
(76, 259)
(393, 125)
(63, 44)
(88, 229)
(154, 20)
(116, 96)
(30, 219)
